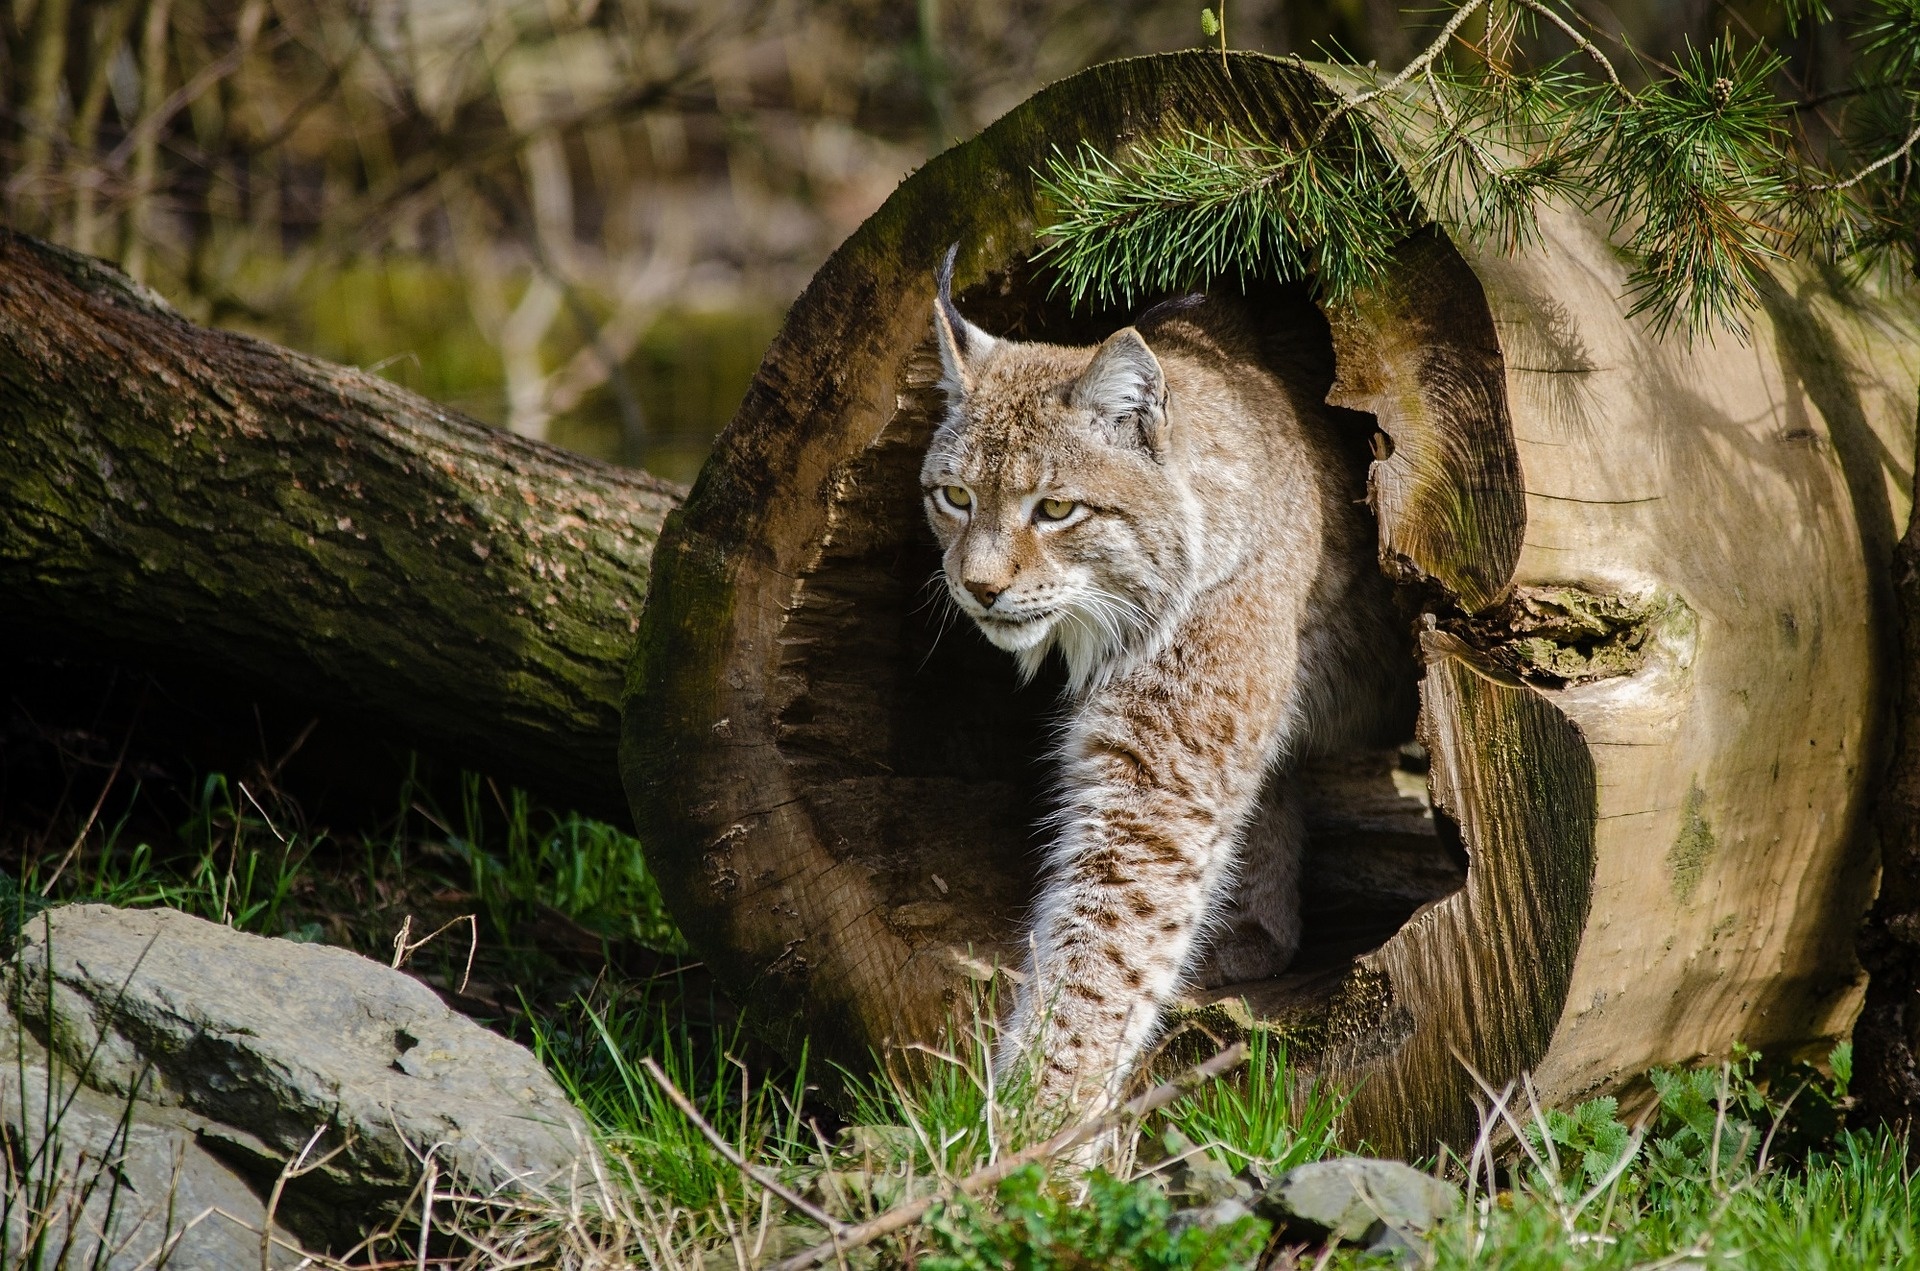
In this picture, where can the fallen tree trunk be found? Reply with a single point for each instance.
(1653, 673)
(200, 501)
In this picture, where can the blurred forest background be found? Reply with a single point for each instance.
(578, 219)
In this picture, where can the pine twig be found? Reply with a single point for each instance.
(905, 1215)
(1417, 66)
(1580, 41)
(1893, 156)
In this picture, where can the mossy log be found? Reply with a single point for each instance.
(1653, 673)
(202, 502)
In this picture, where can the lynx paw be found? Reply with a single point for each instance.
(1239, 956)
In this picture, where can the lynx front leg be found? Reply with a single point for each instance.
(1145, 850)
(1110, 944)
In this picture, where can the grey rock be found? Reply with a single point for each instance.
(144, 1186)
(1381, 1204)
(1221, 1213)
(254, 1044)
(1194, 1178)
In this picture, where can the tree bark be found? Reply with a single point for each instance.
(196, 500)
(1652, 672)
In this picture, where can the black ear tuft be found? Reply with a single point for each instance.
(950, 311)
(961, 343)
(1168, 308)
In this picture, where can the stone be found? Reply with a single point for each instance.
(251, 1045)
(145, 1183)
(1192, 1178)
(1221, 1213)
(1383, 1205)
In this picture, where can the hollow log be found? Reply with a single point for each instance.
(1653, 661)
(205, 503)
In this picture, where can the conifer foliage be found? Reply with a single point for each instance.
(1711, 167)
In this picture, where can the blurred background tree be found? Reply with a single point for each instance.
(582, 219)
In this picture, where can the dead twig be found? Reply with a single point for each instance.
(293, 1169)
(426, 1213)
(913, 1211)
(404, 948)
(46, 888)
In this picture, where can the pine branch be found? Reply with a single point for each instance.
(1697, 172)
(1195, 207)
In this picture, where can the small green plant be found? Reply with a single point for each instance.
(1035, 1224)
(585, 869)
(1587, 1142)
(1708, 1119)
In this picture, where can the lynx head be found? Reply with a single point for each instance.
(1054, 486)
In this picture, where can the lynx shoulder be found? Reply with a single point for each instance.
(1171, 518)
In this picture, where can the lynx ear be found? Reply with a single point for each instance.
(1125, 387)
(962, 344)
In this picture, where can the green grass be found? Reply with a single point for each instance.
(230, 864)
(247, 859)
(1850, 1206)
(1743, 1165)
(1270, 1119)
(595, 1051)
(585, 869)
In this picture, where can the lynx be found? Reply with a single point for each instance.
(1159, 513)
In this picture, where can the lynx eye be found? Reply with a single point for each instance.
(957, 496)
(1055, 509)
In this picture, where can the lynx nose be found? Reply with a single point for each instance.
(985, 593)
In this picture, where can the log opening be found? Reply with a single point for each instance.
(924, 763)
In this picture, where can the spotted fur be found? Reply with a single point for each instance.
(1211, 591)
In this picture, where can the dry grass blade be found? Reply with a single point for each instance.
(405, 947)
(46, 888)
(913, 1211)
(293, 1169)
